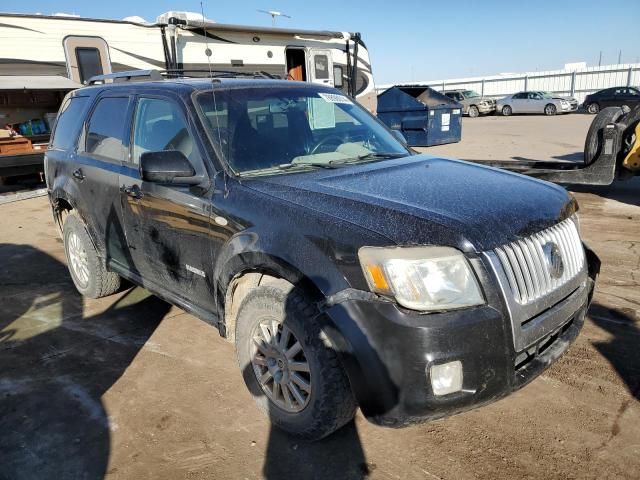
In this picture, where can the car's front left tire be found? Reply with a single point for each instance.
(288, 365)
(474, 112)
(88, 272)
(550, 109)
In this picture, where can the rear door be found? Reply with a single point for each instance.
(102, 148)
(519, 102)
(321, 67)
(167, 226)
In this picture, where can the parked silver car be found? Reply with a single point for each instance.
(535, 102)
(473, 104)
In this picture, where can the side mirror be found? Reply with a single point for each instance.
(168, 166)
(399, 136)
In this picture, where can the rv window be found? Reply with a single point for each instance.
(68, 123)
(321, 64)
(89, 63)
(337, 76)
(105, 131)
(159, 126)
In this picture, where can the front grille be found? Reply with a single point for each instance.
(543, 262)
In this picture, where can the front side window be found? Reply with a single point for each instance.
(105, 130)
(279, 130)
(89, 63)
(159, 125)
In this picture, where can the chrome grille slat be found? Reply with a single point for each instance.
(526, 265)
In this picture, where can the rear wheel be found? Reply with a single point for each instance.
(593, 108)
(292, 373)
(593, 143)
(473, 111)
(506, 110)
(88, 272)
(550, 109)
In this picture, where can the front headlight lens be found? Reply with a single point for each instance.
(421, 278)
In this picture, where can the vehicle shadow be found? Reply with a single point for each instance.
(340, 455)
(56, 362)
(576, 157)
(624, 191)
(622, 349)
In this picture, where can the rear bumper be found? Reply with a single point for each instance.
(388, 352)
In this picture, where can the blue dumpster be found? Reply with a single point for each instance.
(424, 116)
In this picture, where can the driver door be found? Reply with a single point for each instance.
(321, 67)
(167, 225)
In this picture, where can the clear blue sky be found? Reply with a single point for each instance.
(424, 40)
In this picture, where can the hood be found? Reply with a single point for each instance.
(427, 200)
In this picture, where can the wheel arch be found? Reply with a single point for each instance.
(248, 270)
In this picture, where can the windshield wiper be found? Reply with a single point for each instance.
(381, 155)
(287, 166)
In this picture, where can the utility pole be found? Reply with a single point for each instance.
(619, 57)
(600, 59)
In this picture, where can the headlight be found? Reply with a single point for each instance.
(421, 278)
(483, 104)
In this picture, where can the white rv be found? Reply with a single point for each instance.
(43, 57)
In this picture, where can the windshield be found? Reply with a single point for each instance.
(273, 130)
(471, 94)
(547, 95)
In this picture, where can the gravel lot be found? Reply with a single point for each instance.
(129, 387)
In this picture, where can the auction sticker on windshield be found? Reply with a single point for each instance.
(334, 98)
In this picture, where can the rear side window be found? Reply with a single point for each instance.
(68, 123)
(105, 131)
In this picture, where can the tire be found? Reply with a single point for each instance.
(473, 111)
(329, 404)
(87, 269)
(593, 108)
(550, 109)
(593, 142)
(506, 111)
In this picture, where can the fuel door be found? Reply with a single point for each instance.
(321, 67)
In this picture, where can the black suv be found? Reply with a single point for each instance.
(347, 270)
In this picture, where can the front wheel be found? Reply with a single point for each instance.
(506, 110)
(593, 108)
(550, 109)
(473, 111)
(292, 373)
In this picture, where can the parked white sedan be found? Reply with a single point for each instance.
(534, 102)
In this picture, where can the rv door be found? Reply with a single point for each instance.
(86, 57)
(321, 66)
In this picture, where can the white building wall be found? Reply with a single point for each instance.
(577, 83)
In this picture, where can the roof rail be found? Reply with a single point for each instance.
(126, 76)
(168, 74)
(217, 73)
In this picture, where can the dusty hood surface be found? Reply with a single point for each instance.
(422, 199)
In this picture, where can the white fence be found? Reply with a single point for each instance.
(576, 83)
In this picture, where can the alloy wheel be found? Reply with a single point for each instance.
(78, 259)
(280, 366)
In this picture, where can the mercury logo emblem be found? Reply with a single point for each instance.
(552, 255)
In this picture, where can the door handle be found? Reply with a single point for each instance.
(78, 175)
(131, 190)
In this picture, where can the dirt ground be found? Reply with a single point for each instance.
(129, 387)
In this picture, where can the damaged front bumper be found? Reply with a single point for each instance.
(388, 353)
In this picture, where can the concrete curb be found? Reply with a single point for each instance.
(15, 197)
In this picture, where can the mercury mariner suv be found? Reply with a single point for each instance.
(348, 270)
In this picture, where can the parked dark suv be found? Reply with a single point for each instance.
(347, 270)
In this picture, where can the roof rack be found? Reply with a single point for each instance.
(125, 76)
(155, 75)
